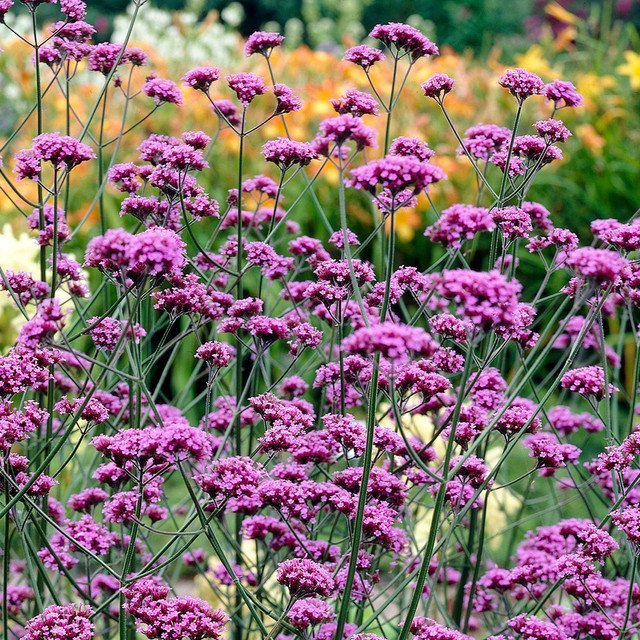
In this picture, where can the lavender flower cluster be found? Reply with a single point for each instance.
(346, 426)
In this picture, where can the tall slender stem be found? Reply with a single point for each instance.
(437, 509)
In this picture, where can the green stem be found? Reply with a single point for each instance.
(367, 462)
(433, 530)
(6, 559)
(237, 630)
(634, 566)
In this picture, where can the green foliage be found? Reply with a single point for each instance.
(459, 23)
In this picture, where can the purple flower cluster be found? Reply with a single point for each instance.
(396, 174)
(246, 86)
(156, 252)
(166, 618)
(588, 381)
(437, 86)
(521, 83)
(262, 42)
(285, 153)
(162, 90)
(458, 223)
(65, 622)
(404, 39)
(62, 152)
(364, 56)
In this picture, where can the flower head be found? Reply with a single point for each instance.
(395, 173)
(305, 577)
(356, 103)
(286, 153)
(61, 621)
(587, 381)
(562, 94)
(404, 39)
(162, 90)
(217, 354)
(364, 56)
(286, 100)
(201, 78)
(437, 86)
(246, 86)
(521, 83)
(262, 42)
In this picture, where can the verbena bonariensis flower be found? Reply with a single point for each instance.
(628, 521)
(286, 100)
(5, 6)
(164, 618)
(395, 173)
(549, 453)
(305, 577)
(364, 56)
(514, 222)
(155, 252)
(246, 86)
(404, 39)
(437, 86)
(201, 78)
(107, 332)
(216, 354)
(63, 152)
(428, 629)
(286, 153)
(162, 90)
(61, 621)
(562, 94)
(552, 130)
(262, 42)
(309, 611)
(458, 223)
(404, 146)
(588, 381)
(356, 103)
(335, 132)
(103, 57)
(521, 83)
(601, 265)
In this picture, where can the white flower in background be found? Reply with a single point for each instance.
(233, 14)
(19, 253)
(179, 37)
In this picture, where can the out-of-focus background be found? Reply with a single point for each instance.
(594, 43)
(476, 24)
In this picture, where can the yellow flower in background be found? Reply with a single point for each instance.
(565, 38)
(567, 34)
(557, 11)
(590, 138)
(534, 60)
(407, 222)
(631, 69)
(20, 253)
(592, 87)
